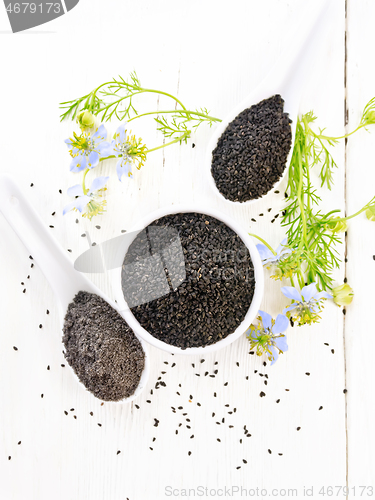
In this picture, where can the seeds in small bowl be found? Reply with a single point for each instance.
(188, 279)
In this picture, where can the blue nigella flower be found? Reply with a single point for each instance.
(267, 337)
(307, 304)
(89, 200)
(87, 149)
(268, 257)
(120, 148)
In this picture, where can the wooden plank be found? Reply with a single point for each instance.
(361, 248)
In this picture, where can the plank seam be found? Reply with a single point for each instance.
(346, 121)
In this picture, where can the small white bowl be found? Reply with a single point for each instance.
(255, 303)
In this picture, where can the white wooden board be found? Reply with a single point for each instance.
(209, 54)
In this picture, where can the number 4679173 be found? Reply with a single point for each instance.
(32, 8)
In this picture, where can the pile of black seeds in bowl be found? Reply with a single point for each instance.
(101, 348)
(188, 279)
(251, 154)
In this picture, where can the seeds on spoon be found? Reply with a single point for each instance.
(250, 156)
(101, 348)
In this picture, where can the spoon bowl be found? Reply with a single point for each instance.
(65, 281)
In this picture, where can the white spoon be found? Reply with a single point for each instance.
(65, 281)
(286, 78)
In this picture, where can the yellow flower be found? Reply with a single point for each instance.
(343, 295)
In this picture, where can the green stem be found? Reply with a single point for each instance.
(301, 204)
(340, 219)
(140, 89)
(166, 94)
(264, 242)
(85, 190)
(210, 118)
(321, 137)
(181, 138)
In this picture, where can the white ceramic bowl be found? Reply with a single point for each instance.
(258, 274)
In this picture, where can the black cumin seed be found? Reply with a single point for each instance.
(99, 425)
(277, 400)
(118, 452)
(262, 394)
(48, 367)
(320, 407)
(345, 391)
(269, 451)
(189, 453)
(307, 373)
(298, 428)
(251, 154)
(19, 442)
(168, 317)
(15, 348)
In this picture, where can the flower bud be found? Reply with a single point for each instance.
(337, 226)
(343, 295)
(86, 120)
(370, 117)
(370, 213)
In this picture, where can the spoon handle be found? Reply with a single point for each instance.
(32, 231)
(293, 68)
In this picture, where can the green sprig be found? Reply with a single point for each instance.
(114, 99)
(311, 234)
